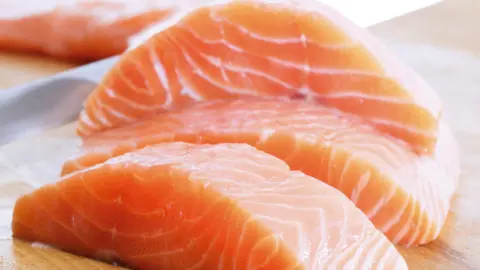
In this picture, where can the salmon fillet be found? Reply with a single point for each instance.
(82, 30)
(184, 206)
(405, 195)
(229, 50)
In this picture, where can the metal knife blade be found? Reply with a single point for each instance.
(50, 102)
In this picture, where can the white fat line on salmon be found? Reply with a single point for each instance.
(115, 113)
(305, 67)
(418, 225)
(99, 115)
(61, 224)
(328, 126)
(406, 225)
(186, 89)
(118, 69)
(390, 253)
(243, 70)
(132, 102)
(321, 240)
(343, 254)
(334, 114)
(431, 201)
(85, 119)
(429, 227)
(369, 245)
(361, 184)
(141, 72)
(346, 165)
(342, 245)
(82, 129)
(409, 128)
(308, 128)
(241, 237)
(393, 220)
(263, 166)
(224, 74)
(326, 70)
(222, 69)
(212, 244)
(376, 153)
(267, 258)
(197, 70)
(212, 41)
(228, 239)
(396, 152)
(275, 207)
(295, 224)
(162, 75)
(301, 39)
(219, 62)
(398, 148)
(349, 94)
(235, 191)
(329, 115)
(304, 137)
(266, 134)
(439, 200)
(429, 195)
(305, 90)
(376, 251)
(330, 164)
(372, 212)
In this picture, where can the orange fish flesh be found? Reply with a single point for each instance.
(290, 49)
(83, 30)
(405, 195)
(186, 206)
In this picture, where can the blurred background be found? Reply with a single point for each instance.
(43, 37)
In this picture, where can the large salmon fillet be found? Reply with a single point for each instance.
(80, 29)
(292, 49)
(184, 206)
(405, 195)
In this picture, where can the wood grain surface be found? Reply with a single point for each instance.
(448, 59)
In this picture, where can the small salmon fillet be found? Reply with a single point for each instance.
(291, 49)
(186, 206)
(405, 195)
(83, 30)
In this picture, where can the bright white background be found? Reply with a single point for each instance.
(370, 12)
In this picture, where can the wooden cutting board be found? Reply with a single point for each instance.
(17, 68)
(440, 42)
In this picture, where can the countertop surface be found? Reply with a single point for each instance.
(19, 68)
(441, 42)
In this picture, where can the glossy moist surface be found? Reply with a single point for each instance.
(184, 206)
(405, 195)
(227, 50)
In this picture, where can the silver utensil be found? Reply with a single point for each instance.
(49, 102)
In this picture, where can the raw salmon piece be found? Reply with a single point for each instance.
(290, 49)
(185, 206)
(405, 195)
(79, 29)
